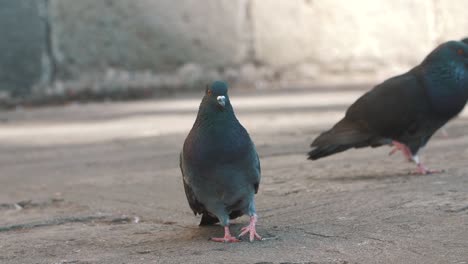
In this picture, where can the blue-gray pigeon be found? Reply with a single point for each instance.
(406, 110)
(220, 165)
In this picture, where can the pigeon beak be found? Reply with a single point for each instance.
(221, 100)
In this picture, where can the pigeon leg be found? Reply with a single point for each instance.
(422, 170)
(403, 148)
(251, 229)
(227, 237)
(444, 133)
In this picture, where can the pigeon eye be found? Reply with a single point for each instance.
(209, 92)
(460, 52)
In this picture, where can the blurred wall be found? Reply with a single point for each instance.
(24, 57)
(64, 47)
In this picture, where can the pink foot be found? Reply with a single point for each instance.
(227, 237)
(251, 230)
(422, 170)
(403, 148)
(444, 133)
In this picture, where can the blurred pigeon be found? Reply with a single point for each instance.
(220, 165)
(406, 110)
(443, 131)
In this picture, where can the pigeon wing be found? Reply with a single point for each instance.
(196, 206)
(392, 108)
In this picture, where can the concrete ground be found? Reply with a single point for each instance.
(100, 183)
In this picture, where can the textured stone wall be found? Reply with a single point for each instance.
(146, 34)
(64, 47)
(340, 36)
(24, 58)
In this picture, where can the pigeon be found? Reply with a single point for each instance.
(220, 166)
(406, 110)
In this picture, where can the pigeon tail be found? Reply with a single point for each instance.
(344, 135)
(207, 219)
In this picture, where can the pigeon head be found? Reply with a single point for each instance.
(216, 97)
(451, 53)
(448, 64)
(446, 74)
(215, 105)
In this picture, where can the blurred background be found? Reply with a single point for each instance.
(99, 182)
(65, 49)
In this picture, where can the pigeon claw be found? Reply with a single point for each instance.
(444, 133)
(227, 237)
(421, 170)
(251, 230)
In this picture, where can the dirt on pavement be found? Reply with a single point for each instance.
(100, 183)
